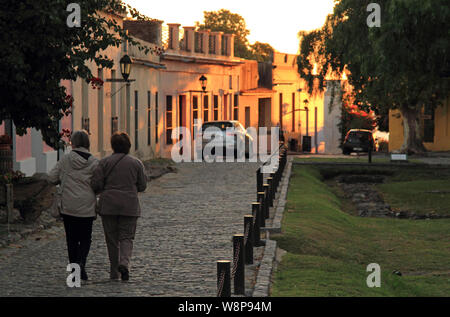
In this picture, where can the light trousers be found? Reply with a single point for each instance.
(119, 236)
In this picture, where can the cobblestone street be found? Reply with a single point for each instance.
(187, 223)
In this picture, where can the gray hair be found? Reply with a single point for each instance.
(80, 139)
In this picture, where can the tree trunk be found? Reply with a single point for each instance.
(412, 137)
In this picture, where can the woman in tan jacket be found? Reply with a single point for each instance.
(118, 179)
(73, 172)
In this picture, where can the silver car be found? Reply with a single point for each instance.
(228, 136)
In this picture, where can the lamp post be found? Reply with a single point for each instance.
(125, 69)
(203, 81)
(307, 116)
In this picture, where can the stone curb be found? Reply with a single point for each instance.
(263, 279)
(281, 201)
(24, 231)
(262, 286)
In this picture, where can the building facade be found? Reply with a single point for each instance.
(435, 128)
(165, 92)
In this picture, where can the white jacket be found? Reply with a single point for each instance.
(74, 173)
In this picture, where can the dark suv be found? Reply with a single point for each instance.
(358, 140)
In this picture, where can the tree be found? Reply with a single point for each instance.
(228, 22)
(38, 50)
(262, 52)
(232, 23)
(404, 64)
(352, 117)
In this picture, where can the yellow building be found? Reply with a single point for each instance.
(435, 129)
(296, 111)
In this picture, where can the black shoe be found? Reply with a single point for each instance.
(125, 274)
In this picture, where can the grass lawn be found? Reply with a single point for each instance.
(421, 191)
(349, 159)
(328, 249)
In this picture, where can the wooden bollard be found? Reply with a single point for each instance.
(256, 211)
(248, 238)
(262, 219)
(238, 264)
(259, 180)
(275, 177)
(274, 186)
(270, 182)
(223, 279)
(266, 201)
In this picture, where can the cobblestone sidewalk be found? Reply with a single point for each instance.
(188, 220)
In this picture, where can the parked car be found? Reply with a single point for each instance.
(358, 140)
(230, 133)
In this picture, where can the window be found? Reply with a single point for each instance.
(236, 107)
(136, 120)
(168, 120)
(247, 117)
(114, 124)
(280, 110)
(194, 110)
(216, 107)
(156, 117)
(85, 124)
(293, 112)
(230, 79)
(125, 46)
(205, 108)
(114, 117)
(85, 105)
(149, 118)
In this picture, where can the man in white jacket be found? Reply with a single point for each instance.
(73, 172)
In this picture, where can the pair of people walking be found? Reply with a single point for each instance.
(117, 179)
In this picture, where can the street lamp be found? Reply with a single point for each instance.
(125, 67)
(203, 81)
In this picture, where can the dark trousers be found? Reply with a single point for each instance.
(78, 237)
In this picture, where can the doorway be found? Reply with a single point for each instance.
(264, 111)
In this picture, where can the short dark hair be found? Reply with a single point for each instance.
(120, 142)
(80, 139)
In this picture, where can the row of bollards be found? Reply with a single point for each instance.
(243, 244)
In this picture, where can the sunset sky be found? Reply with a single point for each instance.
(274, 22)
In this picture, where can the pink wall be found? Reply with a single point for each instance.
(23, 146)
